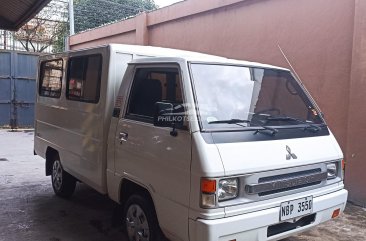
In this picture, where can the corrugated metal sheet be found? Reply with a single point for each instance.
(15, 13)
(18, 72)
(5, 89)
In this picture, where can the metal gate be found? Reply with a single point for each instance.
(18, 72)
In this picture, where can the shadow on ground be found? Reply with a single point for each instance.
(34, 213)
(351, 226)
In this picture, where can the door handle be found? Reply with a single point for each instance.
(123, 136)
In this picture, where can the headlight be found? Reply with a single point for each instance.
(332, 170)
(228, 189)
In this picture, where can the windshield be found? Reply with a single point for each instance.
(238, 96)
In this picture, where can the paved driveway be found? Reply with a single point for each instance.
(30, 211)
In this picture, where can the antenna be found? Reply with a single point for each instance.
(298, 77)
(289, 63)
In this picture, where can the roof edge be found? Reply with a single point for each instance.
(31, 13)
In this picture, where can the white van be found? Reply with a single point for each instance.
(194, 147)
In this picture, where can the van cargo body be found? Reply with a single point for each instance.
(193, 146)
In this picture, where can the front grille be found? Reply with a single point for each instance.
(289, 175)
(287, 226)
(288, 189)
(286, 182)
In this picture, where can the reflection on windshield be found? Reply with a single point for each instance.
(252, 95)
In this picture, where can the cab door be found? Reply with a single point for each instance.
(150, 155)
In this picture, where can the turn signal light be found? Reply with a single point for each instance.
(336, 213)
(343, 165)
(208, 193)
(208, 186)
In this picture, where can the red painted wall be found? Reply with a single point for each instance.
(356, 135)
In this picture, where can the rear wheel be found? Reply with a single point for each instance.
(140, 219)
(63, 183)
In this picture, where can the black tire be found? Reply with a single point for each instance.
(63, 183)
(134, 219)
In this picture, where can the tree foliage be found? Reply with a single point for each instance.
(45, 30)
(94, 13)
(59, 43)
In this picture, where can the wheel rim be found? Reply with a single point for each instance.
(137, 224)
(57, 175)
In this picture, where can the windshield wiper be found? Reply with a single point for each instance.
(309, 126)
(238, 122)
(231, 121)
(272, 131)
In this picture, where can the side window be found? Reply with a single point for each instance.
(151, 85)
(83, 80)
(50, 81)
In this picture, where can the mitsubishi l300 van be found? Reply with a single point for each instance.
(193, 146)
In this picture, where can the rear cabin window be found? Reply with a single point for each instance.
(83, 82)
(51, 78)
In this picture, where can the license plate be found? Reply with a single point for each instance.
(296, 208)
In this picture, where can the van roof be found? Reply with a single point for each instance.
(183, 54)
(151, 51)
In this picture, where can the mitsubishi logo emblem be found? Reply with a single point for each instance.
(290, 154)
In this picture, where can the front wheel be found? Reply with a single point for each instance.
(140, 220)
(63, 183)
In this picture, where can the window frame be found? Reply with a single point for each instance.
(144, 119)
(41, 76)
(306, 93)
(96, 101)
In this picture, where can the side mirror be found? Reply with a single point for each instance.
(163, 114)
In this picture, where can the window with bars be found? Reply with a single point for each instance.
(50, 83)
(84, 76)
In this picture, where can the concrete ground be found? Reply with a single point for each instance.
(30, 211)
